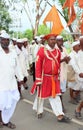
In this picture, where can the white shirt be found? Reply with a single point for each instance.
(22, 61)
(35, 49)
(77, 64)
(26, 54)
(9, 68)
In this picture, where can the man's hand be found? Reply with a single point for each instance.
(66, 59)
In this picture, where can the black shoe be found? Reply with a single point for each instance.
(78, 115)
(65, 119)
(40, 116)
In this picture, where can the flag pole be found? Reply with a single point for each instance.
(57, 9)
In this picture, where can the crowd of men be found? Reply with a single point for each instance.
(53, 70)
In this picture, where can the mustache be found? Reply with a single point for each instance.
(5, 45)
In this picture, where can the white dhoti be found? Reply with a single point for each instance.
(63, 85)
(8, 101)
(72, 85)
(54, 102)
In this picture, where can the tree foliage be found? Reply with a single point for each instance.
(5, 19)
(36, 11)
(42, 29)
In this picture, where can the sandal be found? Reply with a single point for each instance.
(10, 125)
(65, 119)
(1, 124)
(78, 115)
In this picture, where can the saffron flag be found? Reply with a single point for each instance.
(53, 17)
(68, 3)
(72, 15)
(80, 3)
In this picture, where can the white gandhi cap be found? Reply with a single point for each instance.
(5, 35)
(59, 37)
(75, 43)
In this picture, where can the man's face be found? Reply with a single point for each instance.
(4, 43)
(14, 42)
(19, 45)
(25, 44)
(52, 41)
(60, 42)
(76, 48)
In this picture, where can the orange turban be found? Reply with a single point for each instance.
(46, 37)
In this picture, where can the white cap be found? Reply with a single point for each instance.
(5, 35)
(41, 36)
(14, 39)
(59, 37)
(36, 37)
(19, 40)
(25, 39)
(75, 43)
(2, 31)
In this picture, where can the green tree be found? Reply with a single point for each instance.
(28, 34)
(42, 29)
(5, 19)
(36, 11)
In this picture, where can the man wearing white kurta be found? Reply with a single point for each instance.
(63, 70)
(26, 52)
(74, 92)
(35, 48)
(78, 66)
(73, 55)
(21, 57)
(9, 94)
(22, 61)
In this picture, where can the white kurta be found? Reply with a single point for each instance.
(22, 61)
(26, 53)
(77, 64)
(9, 67)
(34, 50)
(9, 94)
(63, 71)
(72, 81)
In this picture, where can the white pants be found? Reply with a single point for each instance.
(54, 102)
(8, 103)
(7, 113)
(63, 86)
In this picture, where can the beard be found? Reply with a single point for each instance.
(4, 46)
